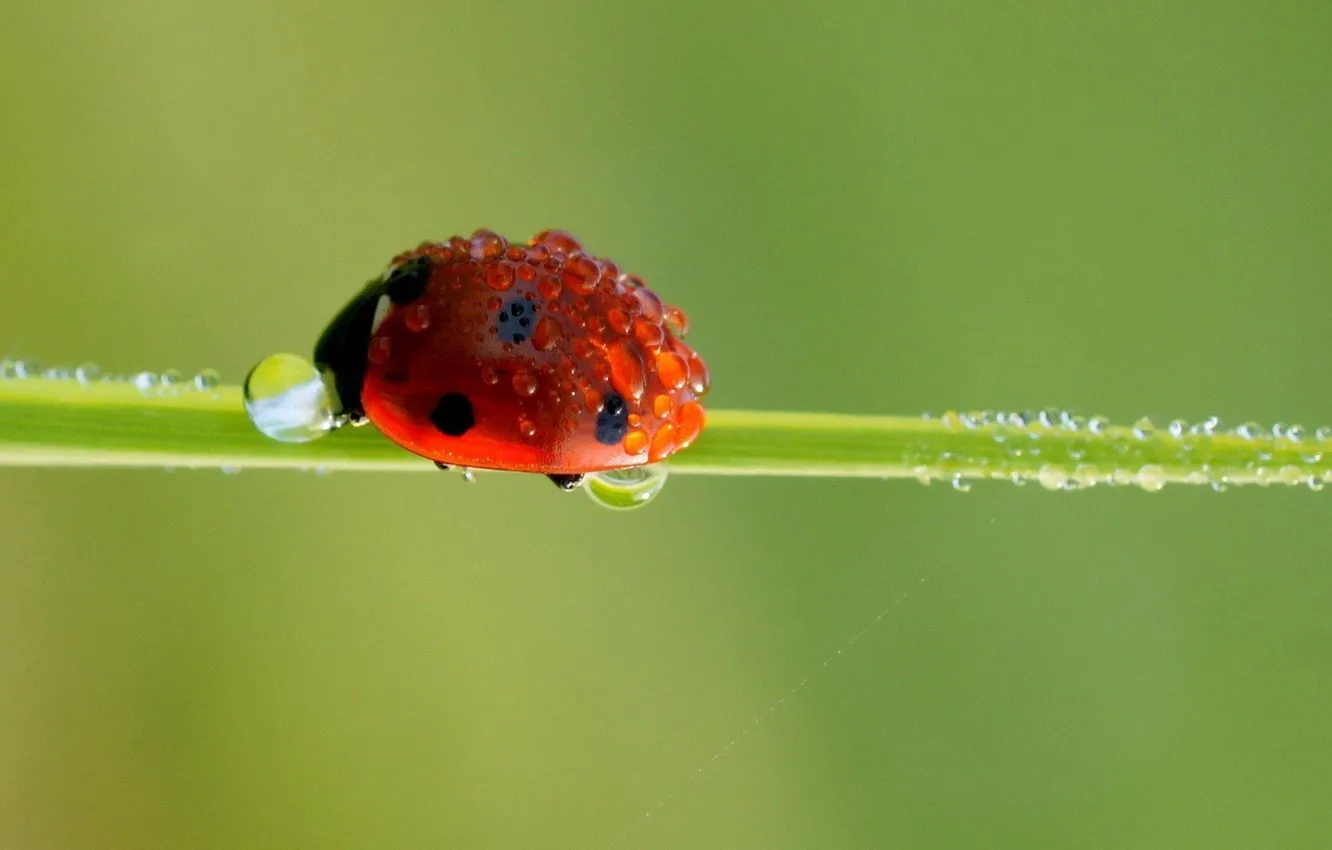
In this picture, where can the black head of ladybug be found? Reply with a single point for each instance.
(342, 352)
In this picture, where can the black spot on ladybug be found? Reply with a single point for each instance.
(612, 421)
(514, 320)
(453, 415)
(408, 281)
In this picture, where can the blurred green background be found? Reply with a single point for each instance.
(1121, 208)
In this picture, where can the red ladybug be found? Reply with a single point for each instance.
(537, 358)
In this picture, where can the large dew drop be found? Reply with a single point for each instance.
(287, 400)
(626, 489)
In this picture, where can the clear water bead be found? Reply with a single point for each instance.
(207, 380)
(626, 489)
(287, 400)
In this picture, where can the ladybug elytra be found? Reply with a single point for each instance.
(533, 358)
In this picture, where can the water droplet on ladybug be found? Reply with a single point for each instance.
(417, 318)
(618, 319)
(636, 442)
(677, 321)
(626, 489)
(546, 334)
(672, 370)
(500, 277)
(524, 383)
(287, 400)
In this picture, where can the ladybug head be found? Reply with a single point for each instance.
(342, 351)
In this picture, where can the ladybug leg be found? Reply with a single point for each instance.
(566, 482)
(443, 466)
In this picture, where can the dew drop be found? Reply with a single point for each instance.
(144, 382)
(87, 373)
(1291, 475)
(1178, 428)
(677, 321)
(287, 399)
(468, 475)
(1087, 474)
(626, 489)
(524, 383)
(170, 382)
(1144, 429)
(1250, 431)
(960, 483)
(207, 380)
(1052, 477)
(1152, 478)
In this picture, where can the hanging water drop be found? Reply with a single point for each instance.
(287, 399)
(960, 483)
(626, 489)
(1152, 478)
(1052, 477)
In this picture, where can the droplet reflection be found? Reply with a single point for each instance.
(626, 489)
(287, 400)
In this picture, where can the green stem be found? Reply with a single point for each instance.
(66, 422)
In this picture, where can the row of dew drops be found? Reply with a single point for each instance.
(1137, 458)
(162, 384)
(1060, 436)
(618, 489)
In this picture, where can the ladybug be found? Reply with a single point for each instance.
(532, 358)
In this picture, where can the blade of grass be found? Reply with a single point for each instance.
(65, 422)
